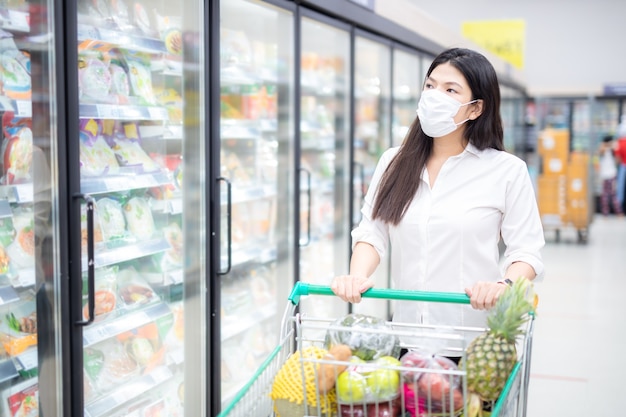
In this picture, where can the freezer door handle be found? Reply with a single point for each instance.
(308, 217)
(229, 215)
(91, 266)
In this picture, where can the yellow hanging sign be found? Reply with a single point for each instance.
(504, 38)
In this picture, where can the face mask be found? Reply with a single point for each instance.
(436, 111)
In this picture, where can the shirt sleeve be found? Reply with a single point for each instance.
(374, 232)
(522, 231)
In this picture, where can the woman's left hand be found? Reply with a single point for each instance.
(483, 295)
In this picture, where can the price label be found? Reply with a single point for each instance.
(177, 276)
(19, 20)
(106, 111)
(176, 206)
(146, 181)
(24, 193)
(114, 184)
(27, 277)
(157, 113)
(24, 108)
(28, 359)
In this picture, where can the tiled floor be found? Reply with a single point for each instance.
(578, 366)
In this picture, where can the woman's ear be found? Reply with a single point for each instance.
(477, 109)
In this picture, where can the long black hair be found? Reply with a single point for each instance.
(401, 180)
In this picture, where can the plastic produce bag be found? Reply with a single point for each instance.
(356, 332)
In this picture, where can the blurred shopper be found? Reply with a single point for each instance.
(439, 204)
(608, 176)
(620, 153)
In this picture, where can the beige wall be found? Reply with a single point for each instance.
(573, 47)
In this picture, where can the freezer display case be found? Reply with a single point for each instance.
(140, 144)
(257, 180)
(407, 86)
(29, 285)
(325, 159)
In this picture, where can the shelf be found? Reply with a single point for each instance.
(118, 38)
(113, 183)
(112, 256)
(99, 332)
(122, 112)
(233, 326)
(129, 391)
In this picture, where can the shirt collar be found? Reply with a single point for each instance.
(472, 149)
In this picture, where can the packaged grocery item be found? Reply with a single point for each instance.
(139, 218)
(170, 33)
(22, 250)
(140, 77)
(15, 74)
(120, 13)
(17, 152)
(105, 293)
(134, 290)
(120, 86)
(174, 236)
(22, 399)
(94, 78)
(112, 220)
(118, 367)
(96, 156)
(127, 148)
(18, 327)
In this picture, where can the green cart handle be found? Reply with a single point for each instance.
(302, 288)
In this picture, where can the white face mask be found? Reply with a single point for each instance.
(436, 111)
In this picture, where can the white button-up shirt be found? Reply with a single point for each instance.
(448, 238)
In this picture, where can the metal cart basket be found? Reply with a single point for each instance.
(300, 333)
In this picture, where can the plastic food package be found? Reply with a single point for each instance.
(133, 290)
(96, 156)
(112, 219)
(15, 74)
(433, 389)
(17, 156)
(368, 382)
(139, 218)
(94, 79)
(367, 344)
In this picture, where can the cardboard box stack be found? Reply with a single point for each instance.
(553, 148)
(562, 187)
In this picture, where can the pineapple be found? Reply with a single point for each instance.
(490, 357)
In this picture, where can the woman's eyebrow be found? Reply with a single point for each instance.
(445, 83)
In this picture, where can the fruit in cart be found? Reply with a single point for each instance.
(384, 409)
(328, 372)
(490, 357)
(368, 337)
(351, 387)
(288, 393)
(383, 383)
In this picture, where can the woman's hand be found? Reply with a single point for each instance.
(483, 295)
(350, 287)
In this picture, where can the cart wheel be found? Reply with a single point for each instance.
(582, 236)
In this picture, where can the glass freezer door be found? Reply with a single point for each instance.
(30, 284)
(141, 145)
(372, 136)
(407, 86)
(257, 178)
(324, 161)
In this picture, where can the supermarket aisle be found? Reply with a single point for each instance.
(578, 362)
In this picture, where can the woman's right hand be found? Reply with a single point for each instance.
(350, 287)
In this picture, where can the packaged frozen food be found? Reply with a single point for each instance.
(156, 409)
(22, 250)
(97, 231)
(140, 349)
(94, 79)
(22, 400)
(96, 156)
(93, 362)
(18, 327)
(133, 290)
(120, 86)
(112, 220)
(130, 154)
(140, 77)
(105, 293)
(139, 218)
(17, 156)
(118, 366)
(174, 236)
(15, 74)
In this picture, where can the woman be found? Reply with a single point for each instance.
(608, 176)
(445, 197)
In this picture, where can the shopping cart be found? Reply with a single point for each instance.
(299, 332)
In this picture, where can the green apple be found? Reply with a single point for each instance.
(383, 383)
(385, 361)
(350, 386)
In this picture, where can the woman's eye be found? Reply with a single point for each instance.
(451, 90)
